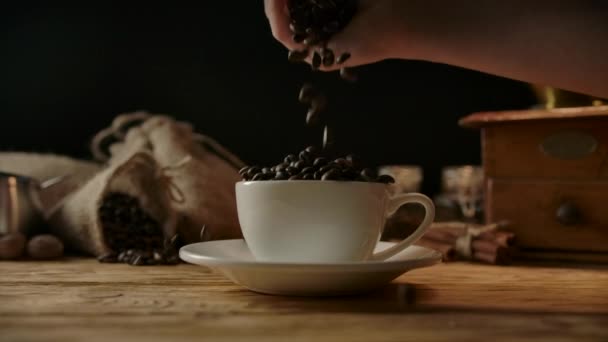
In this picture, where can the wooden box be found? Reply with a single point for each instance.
(546, 172)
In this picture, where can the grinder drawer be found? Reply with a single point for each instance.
(556, 215)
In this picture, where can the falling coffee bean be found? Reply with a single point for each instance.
(318, 104)
(327, 137)
(316, 60)
(328, 57)
(342, 58)
(307, 92)
(348, 75)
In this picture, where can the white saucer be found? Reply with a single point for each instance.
(234, 260)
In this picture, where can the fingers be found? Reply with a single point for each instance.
(356, 44)
(278, 16)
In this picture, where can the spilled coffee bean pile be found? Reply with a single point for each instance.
(134, 236)
(311, 165)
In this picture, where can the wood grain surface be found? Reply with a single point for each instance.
(82, 300)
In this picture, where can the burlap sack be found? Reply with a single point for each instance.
(203, 173)
(78, 223)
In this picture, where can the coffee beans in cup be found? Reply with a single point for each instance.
(310, 164)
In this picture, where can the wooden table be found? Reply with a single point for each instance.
(82, 300)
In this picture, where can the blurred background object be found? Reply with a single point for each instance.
(550, 97)
(461, 196)
(408, 178)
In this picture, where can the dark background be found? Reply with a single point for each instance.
(65, 72)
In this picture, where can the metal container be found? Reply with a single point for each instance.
(20, 206)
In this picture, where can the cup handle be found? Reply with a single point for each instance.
(394, 204)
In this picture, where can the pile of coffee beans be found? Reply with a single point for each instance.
(134, 236)
(311, 165)
(40, 247)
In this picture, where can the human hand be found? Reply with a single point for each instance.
(379, 30)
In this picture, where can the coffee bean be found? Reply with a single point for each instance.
(332, 174)
(318, 104)
(308, 176)
(327, 137)
(312, 150)
(318, 175)
(342, 58)
(243, 170)
(296, 56)
(316, 60)
(352, 159)
(319, 161)
(307, 92)
(312, 117)
(296, 29)
(341, 162)
(290, 158)
(311, 40)
(253, 171)
(292, 170)
(138, 260)
(305, 156)
(44, 247)
(122, 256)
(386, 179)
(308, 170)
(108, 258)
(368, 174)
(281, 175)
(281, 167)
(300, 165)
(347, 75)
(172, 260)
(350, 173)
(327, 168)
(328, 57)
(12, 246)
(298, 38)
(295, 177)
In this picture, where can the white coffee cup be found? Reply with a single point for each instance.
(321, 221)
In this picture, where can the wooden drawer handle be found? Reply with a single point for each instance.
(569, 214)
